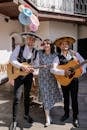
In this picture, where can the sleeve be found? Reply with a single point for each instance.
(36, 64)
(13, 58)
(36, 61)
(81, 59)
(54, 69)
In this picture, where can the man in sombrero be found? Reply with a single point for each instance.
(64, 57)
(26, 53)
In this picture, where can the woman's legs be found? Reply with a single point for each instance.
(48, 119)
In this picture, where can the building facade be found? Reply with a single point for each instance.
(57, 18)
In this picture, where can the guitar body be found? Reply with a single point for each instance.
(66, 80)
(14, 72)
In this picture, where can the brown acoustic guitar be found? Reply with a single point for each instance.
(13, 72)
(76, 71)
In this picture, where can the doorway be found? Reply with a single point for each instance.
(82, 47)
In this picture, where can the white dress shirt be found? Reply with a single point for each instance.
(27, 54)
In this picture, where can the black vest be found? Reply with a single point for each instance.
(63, 60)
(20, 57)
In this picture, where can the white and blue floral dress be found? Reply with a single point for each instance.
(49, 90)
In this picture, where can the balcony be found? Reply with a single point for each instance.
(62, 6)
(62, 10)
(57, 6)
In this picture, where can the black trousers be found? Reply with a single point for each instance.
(71, 90)
(27, 81)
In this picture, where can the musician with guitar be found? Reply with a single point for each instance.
(26, 53)
(65, 72)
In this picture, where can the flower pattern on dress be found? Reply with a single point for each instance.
(49, 90)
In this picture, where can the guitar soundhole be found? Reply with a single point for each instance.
(71, 75)
(12, 70)
(21, 70)
(72, 72)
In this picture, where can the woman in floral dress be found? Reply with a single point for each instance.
(49, 90)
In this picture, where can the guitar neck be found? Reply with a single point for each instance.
(42, 66)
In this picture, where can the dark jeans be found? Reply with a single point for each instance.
(71, 90)
(27, 81)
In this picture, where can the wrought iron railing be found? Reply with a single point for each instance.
(78, 7)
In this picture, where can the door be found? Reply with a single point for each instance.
(82, 47)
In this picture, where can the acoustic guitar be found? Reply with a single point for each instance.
(76, 71)
(13, 72)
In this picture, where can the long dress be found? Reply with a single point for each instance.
(49, 90)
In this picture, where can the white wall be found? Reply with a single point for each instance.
(44, 30)
(47, 29)
(54, 30)
(6, 28)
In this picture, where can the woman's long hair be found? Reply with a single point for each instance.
(51, 45)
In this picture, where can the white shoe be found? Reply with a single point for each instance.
(47, 122)
(13, 126)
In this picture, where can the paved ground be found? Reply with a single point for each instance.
(37, 113)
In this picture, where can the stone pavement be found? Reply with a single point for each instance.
(37, 113)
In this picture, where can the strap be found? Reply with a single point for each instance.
(35, 55)
(20, 56)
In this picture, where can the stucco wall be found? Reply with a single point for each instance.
(6, 28)
(54, 29)
(47, 29)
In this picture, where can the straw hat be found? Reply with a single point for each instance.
(30, 34)
(58, 41)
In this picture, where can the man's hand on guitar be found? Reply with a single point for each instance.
(69, 72)
(27, 69)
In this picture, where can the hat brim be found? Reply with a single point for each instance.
(32, 34)
(70, 40)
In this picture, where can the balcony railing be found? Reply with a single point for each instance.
(78, 7)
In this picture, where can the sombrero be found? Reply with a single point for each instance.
(32, 34)
(23, 6)
(58, 41)
(33, 27)
(34, 20)
(27, 12)
(23, 19)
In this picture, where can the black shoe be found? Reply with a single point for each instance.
(64, 117)
(13, 126)
(76, 123)
(28, 119)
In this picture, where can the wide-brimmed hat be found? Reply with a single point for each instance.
(25, 20)
(31, 34)
(58, 41)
